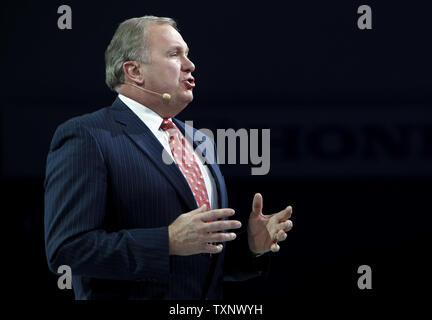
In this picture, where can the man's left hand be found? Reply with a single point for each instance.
(265, 231)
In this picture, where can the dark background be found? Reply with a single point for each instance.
(349, 112)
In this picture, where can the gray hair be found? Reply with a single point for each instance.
(129, 43)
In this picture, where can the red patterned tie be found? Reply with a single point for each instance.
(184, 157)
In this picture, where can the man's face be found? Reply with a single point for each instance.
(169, 69)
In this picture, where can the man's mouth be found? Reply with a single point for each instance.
(189, 83)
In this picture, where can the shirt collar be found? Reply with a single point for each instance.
(150, 118)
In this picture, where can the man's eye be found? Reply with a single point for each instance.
(173, 54)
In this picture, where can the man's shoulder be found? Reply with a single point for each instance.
(91, 121)
(87, 119)
(95, 124)
(93, 127)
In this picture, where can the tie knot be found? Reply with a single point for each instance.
(167, 124)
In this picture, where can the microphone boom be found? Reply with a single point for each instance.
(165, 96)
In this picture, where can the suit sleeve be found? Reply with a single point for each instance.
(240, 264)
(75, 209)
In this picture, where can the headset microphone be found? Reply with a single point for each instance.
(165, 96)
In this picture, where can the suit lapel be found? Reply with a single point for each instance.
(141, 135)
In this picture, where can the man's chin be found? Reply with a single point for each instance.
(187, 97)
(181, 102)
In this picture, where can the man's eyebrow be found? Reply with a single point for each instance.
(178, 48)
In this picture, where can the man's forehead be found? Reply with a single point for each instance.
(166, 36)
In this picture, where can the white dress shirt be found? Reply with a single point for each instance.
(153, 121)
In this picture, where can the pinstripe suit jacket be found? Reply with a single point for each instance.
(109, 199)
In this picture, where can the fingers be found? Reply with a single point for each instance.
(285, 214)
(212, 248)
(285, 225)
(215, 226)
(274, 247)
(222, 236)
(209, 247)
(216, 214)
(203, 208)
(257, 204)
(280, 236)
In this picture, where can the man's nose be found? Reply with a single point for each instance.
(188, 65)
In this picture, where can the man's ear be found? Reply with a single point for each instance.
(132, 71)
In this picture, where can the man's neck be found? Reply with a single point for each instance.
(151, 102)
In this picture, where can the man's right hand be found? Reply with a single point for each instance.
(193, 232)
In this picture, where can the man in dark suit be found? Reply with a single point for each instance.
(128, 224)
